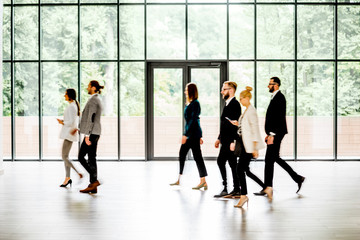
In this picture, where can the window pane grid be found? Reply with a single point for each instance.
(315, 57)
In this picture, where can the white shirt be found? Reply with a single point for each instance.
(274, 93)
(71, 121)
(228, 101)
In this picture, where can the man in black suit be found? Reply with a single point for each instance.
(275, 128)
(228, 133)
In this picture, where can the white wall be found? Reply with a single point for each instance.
(1, 87)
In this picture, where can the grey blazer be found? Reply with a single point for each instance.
(90, 117)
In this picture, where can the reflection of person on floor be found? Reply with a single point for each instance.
(91, 127)
(247, 144)
(232, 111)
(70, 122)
(192, 136)
(276, 128)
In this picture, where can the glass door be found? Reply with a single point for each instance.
(208, 83)
(167, 111)
(165, 106)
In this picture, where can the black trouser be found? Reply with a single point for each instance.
(273, 155)
(243, 167)
(227, 155)
(90, 164)
(194, 145)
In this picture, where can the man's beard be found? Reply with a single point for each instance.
(271, 89)
(226, 97)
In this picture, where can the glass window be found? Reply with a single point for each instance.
(132, 110)
(106, 75)
(26, 33)
(207, 1)
(98, 1)
(275, 31)
(348, 110)
(131, 32)
(59, 1)
(207, 32)
(165, 1)
(315, 109)
(243, 74)
(26, 1)
(166, 32)
(6, 115)
(168, 107)
(27, 110)
(316, 1)
(6, 44)
(99, 32)
(241, 32)
(56, 78)
(349, 32)
(131, 1)
(59, 36)
(315, 32)
(207, 81)
(238, 1)
(261, 1)
(284, 71)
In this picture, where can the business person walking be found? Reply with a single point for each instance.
(276, 128)
(247, 144)
(228, 134)
(69, 123)
(192, 136)
(90, 126)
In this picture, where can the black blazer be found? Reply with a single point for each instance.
(228, 132)
(192, 120)
(275, 120)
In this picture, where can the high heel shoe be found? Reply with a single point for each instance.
(175, 183)
(242, 201)
(202, 185)
(65, 185)
(269, 193)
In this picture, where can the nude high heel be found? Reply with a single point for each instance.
(202, 185)
(242, 201)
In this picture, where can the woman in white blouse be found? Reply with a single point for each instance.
(247, 144)
(70, 122)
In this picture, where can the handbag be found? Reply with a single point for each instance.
(238, 146)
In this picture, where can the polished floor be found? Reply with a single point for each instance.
(135, 201)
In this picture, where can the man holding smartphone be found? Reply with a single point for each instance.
(228, 133)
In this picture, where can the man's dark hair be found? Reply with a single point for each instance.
(276, 80)
(96, 84)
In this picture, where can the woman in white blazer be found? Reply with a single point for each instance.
(70, 122)
(247, 144)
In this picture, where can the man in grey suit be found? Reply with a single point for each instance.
(90, 126)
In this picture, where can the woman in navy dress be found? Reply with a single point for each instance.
(191, 138)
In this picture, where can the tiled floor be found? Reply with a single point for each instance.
(135, 201)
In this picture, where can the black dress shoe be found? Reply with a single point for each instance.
(300, 183)
(261, 193)
(233, 194)
(223, 193)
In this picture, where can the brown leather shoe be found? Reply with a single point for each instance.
(95, 184)
(89, 189)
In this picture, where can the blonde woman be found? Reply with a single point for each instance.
(70, 122)
(247, 144)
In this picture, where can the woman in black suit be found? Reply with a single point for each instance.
(192, 136)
